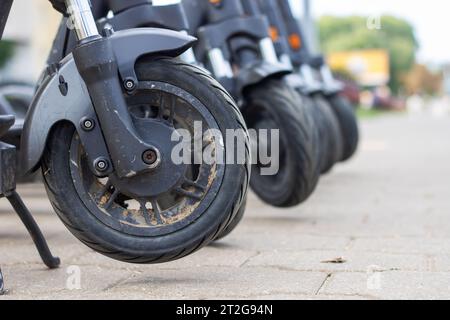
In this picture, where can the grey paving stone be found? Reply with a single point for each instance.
(390, 285)
(35, 281)
(352, 261)
(413, 245)
(207, 282)
(220, 256)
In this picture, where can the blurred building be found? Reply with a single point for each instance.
(446, 80)
(370, 68)
(32, 26)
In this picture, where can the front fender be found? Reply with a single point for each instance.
(129, 45)
(50, 107)
(259, 72)
(63, 96)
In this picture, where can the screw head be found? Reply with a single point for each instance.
(101, 165)
(108, 31)
(129, 84)
(151, 157)
(87, 124)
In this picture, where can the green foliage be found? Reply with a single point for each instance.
(6, 52)
(364, 113)
(396, 35)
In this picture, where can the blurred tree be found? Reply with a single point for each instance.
(421, 80)
(344, 74)
(6, 51)
(351, 33)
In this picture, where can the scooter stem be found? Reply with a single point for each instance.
(82, 19)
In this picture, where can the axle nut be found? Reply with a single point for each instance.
(130, 84)
(101, 165)
(151, 157)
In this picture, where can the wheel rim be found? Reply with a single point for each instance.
(185, 199)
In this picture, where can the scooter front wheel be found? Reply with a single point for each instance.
(234, 223)
(290, 176)
(330, 133)
(348, 122)
(187, 205)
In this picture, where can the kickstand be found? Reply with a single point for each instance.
(33, 229)
(2, 286)
(8, 170)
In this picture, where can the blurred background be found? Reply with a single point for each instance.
(392, 55)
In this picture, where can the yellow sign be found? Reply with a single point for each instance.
(369, 67)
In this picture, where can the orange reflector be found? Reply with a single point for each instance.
(295, 41)
(274, 33)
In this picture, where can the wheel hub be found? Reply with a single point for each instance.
(168, 196)
(163, 173)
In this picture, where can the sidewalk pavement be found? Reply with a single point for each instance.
(378, 227)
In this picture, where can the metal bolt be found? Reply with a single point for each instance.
(151, 157)
(101, 165)
(130, 84)
(108, 31)
(88, 124)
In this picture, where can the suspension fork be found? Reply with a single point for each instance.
(97, 65)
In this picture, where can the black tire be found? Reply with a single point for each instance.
(196, 233)
(234, 223)
(348, 122)
(330, 133)
(275, 105)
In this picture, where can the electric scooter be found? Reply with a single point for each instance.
(331, 89)
(135, 14)
(305, 84)
(104, 125)
(304, 81)
(237, 49)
